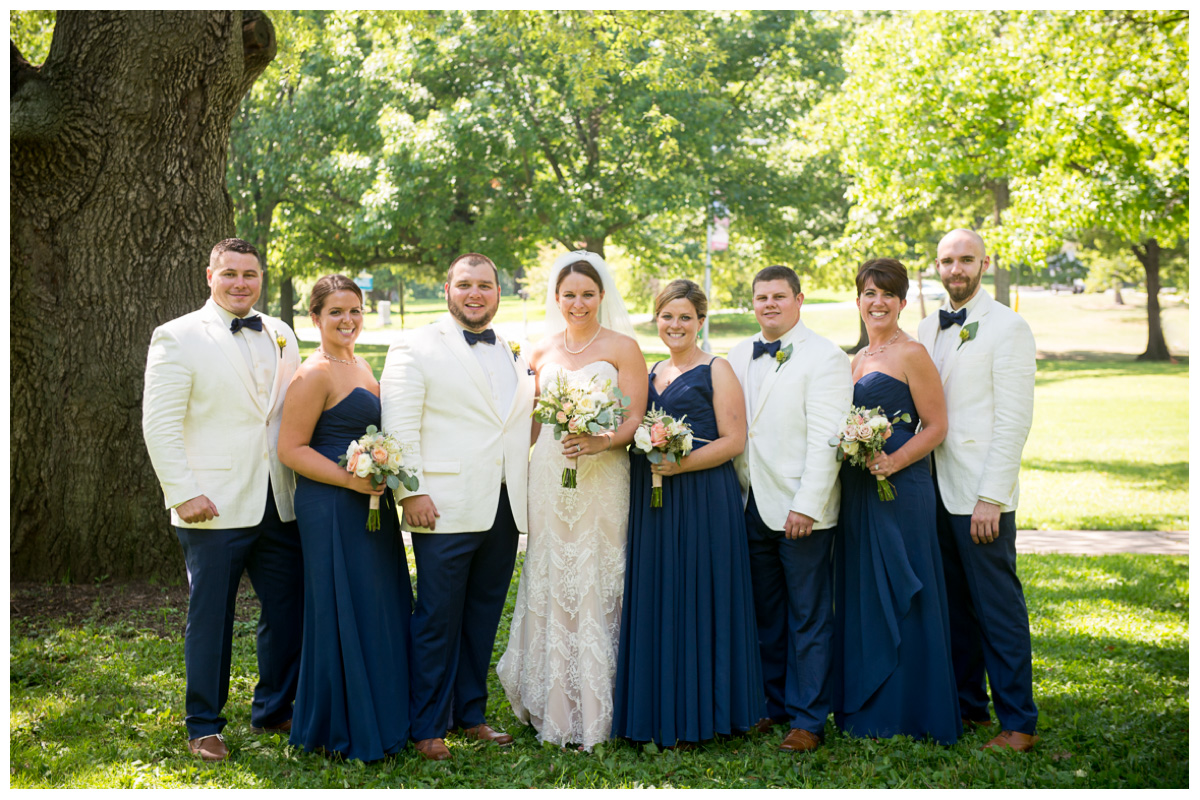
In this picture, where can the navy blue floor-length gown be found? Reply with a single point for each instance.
(688, 665)
(353, 692)
(892, 670)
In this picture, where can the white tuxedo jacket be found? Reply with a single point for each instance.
(989, 404)
(799, 406)
(437, 402)
(209, 429)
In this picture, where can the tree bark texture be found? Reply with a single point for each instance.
(117, 156)
(1156, 346)
(1000, 276)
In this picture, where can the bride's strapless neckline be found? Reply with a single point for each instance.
(565, 368)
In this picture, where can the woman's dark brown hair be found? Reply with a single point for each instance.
(888, 275)
(327, 285)
(583, 268)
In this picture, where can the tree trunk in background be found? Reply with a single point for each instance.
(863, 341)
(999, 273)
(287, 301)
(117, 157)
(1156, 346)
(1117, 299)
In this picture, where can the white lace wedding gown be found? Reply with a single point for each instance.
(561, 662)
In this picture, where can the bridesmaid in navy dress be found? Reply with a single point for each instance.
(688, 665)
(892, 666)
(352, 699)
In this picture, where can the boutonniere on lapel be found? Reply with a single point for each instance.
(516, 350)
(281, 340)
(782, 356)
(967, 334)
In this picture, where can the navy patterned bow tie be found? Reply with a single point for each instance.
(948, 319)
(488, 336)
(253, 323)
(770, 348)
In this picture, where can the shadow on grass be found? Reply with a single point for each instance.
(1066, 366)
(1157, 477)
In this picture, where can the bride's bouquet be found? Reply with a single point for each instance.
(662, 438)
(378, 456)
(588, 407)
(861, 438)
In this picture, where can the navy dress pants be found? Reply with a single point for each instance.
(989, 623)
(793, 603)
(462, 582)
(216, 559)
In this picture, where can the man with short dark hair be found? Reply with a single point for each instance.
(986, 356)
(214, 387)
(798, 390)
(458, 397)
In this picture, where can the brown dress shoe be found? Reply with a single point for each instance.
(485, 733)
(1013, 740)
(209, 748)
(433, 749)
(800, 741)
(764, 725)
(283, 727)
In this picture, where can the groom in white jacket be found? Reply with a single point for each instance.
(459, 397)
(798, 389)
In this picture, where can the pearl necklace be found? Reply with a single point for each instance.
(585, 347)
(339, 360)
(883, 346)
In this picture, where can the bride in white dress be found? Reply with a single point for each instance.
(561, 662)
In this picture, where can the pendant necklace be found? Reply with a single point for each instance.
(883, 346)
(339, 360)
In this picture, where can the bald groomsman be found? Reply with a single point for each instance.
(987, 359)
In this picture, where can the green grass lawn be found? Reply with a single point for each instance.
(97, 701)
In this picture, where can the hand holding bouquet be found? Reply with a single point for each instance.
(662, 438)
(589, 407)
(861, 439)
(378, 456)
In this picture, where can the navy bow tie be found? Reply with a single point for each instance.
(770, 348)
(253, 323)
(948, 319)
(488, 336)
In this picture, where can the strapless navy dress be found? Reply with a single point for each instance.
(352, 697)
(688, 665)
(892, 671)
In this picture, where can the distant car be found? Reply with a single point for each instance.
(934, 292)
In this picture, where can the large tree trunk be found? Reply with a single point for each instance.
(287, 300)
(1156, 346)
(863, 340)
(117, 158)
(999, 273)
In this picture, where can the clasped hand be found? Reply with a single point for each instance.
(882, 465)
(582, 444)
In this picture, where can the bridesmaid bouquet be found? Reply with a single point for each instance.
(861, 438)
(378, 456)
(662, 437)
(571, 407)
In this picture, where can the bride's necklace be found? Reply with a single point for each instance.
(883, 346)
(585, 347)
(339, 360)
